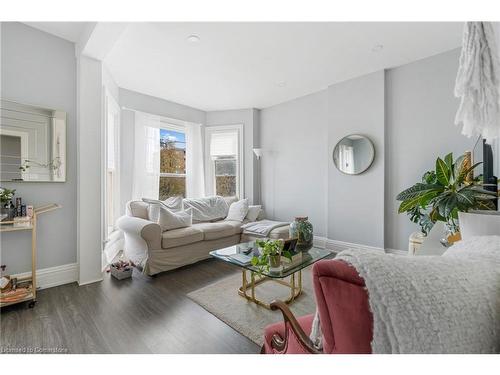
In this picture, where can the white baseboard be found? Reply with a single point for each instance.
(337, 246)
(396, 251)
(54, 276)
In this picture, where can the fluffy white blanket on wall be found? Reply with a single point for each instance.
(478, 80)
(429, 304)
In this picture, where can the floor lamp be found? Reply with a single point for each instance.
(258, 154)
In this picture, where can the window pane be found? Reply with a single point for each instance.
(225, 177)
(225, 186)
(172, 186)
(173, 152)
(225, 167)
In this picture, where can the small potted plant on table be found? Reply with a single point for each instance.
(270, 254)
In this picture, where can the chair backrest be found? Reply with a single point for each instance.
(342, 300)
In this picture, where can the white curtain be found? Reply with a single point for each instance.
(478, 82)
(195, 176)
(147, 156)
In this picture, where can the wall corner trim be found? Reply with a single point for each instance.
(54, 276)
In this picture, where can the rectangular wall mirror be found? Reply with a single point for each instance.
(32, 143)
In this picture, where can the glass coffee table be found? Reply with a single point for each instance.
(240, 255)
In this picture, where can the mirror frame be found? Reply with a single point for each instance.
(369, 164)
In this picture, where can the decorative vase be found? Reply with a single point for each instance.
(302, 230)
(452, 235)
(415, 242)
(8, 209)
(275, 261)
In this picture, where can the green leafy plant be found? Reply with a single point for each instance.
(443, 193)
(6, 195)
(269, 248)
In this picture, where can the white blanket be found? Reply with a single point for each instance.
(429, 304)
(206, 209)
(262, 227)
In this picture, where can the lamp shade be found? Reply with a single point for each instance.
(257, 152)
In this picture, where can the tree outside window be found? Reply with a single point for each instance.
(172, 164)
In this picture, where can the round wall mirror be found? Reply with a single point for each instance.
(353, 154)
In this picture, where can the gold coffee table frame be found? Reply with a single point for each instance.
(295, 285)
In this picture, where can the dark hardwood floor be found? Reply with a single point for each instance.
(138, 315)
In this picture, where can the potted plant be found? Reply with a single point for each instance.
(6, 196)
(270, 253)
(444, 192)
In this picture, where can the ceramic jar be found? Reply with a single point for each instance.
(302, 230)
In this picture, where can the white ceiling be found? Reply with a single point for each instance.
(243, 65)
(67, 30)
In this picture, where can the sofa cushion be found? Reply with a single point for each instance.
(253, 212)
(216, 230)
(238, 210)
(282, 232)
(236, 225)
(169, 220)
(181, 236)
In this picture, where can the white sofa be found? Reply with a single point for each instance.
(155, 251)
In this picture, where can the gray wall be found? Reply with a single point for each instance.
(408, 112)
(420, 127)
(249, 118)
(38, 68)
(294, 179)
(356, 203)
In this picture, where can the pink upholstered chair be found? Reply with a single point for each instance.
(346, 320)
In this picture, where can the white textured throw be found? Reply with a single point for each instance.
(477, 83)
(262, 227)
(431, 304)
(207, 209)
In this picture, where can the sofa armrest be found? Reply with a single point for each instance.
(147, 230)
(292, 327)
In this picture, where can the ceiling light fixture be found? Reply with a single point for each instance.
(378, 48)
(193, 38)
(281, 83)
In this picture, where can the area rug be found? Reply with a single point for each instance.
(222, 300)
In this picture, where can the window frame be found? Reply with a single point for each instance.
(110, 177)
(210, 181)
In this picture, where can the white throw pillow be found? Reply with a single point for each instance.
(253, 212)
(485, 223)
(169, 220)
(238, 210)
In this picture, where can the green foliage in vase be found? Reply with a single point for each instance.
(6, 195)
(443, 193)
(268, 248)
